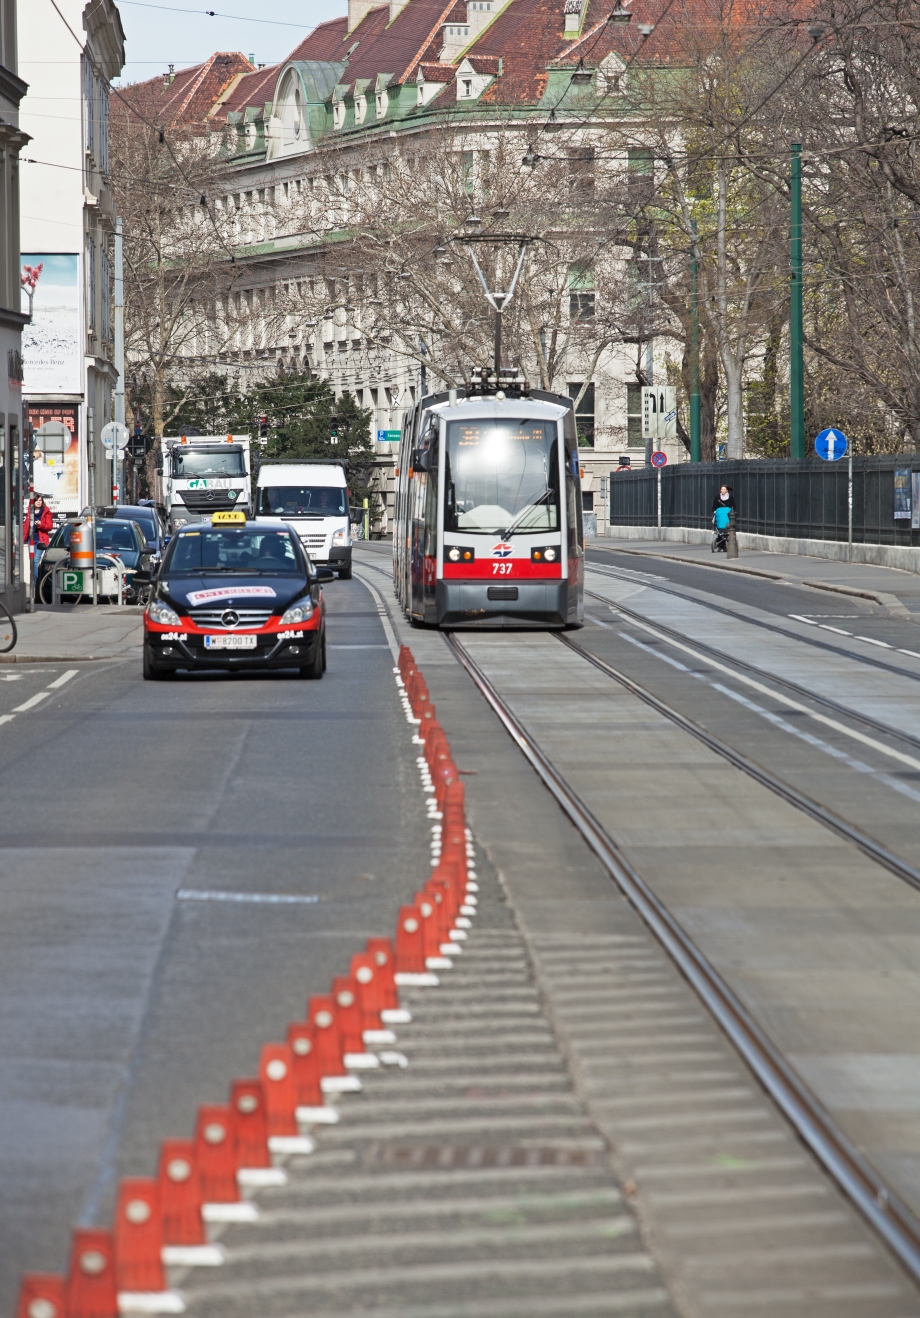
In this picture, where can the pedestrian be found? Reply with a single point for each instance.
(723, 513)
(38, 528)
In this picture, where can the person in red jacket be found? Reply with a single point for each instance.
(38, 530)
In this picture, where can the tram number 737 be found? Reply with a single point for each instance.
(502, 569)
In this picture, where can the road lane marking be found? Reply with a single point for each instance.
(31, 702)
(7, 718)
(773, 695)
(268, 898)
(870, 641)
(65, 677)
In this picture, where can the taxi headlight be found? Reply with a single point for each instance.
(301, 612)
(340, 537)
(163, 614)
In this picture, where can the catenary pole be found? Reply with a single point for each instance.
(695, 451)
(796, 355)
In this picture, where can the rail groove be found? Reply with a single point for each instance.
(882, 1208)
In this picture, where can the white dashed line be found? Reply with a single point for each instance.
(270, 898)
(31, 702)
(870, 641)
(59, 681)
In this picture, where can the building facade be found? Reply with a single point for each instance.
(12, 466)
(71, 51)
(402, 79)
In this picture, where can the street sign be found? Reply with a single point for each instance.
(115, 434)
(72, 583)
(831, 445)
(389, 436)
(659, 412)
(659, 459)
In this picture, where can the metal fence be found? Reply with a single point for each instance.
(804, 499)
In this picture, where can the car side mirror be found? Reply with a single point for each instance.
(324, 574)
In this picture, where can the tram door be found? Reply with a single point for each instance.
(574, 523)
(424, 501)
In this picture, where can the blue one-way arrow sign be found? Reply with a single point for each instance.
(831, 445)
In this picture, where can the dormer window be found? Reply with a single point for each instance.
(382, 101)
(338, 114)
(466, 87)
(360, 109)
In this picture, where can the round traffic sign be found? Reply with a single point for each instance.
(831, 444)
(659, 459)
(114, 434)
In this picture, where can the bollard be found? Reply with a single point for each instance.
(382, 952)
(321, 1014)
(180, 1194)
(214, 1155)
(276, 1066)
(348, 1013)
(41, 1296)
(429, 921)
(731, 544)
(250, 1132)
(410, 941)
(139, 1236)
(90, 1291)
(305, 1071)
(367, 987)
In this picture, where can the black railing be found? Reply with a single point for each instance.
(805, 499)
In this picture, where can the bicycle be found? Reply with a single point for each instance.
(8, 632)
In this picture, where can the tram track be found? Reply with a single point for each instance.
(863, 1186)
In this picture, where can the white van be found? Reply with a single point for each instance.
(311, 494)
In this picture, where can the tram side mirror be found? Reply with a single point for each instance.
(421, 459)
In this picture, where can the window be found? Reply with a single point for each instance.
(581, 169)
(640, 175)
(584, 414)
(587, 501)
(467, 165)
(467, 85)
(581, 292)
(106, 290)
(634, 416)
(90, 285)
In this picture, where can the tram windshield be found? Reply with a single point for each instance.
(501, 476)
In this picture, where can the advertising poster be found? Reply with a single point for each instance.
(51, 350)
(55, 476)
(902, 492)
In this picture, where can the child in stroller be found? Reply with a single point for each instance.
(721, 519)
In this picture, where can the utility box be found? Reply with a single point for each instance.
(659, 412)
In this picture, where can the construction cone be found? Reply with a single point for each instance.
(139, 1236)
(214, 1155)
(276, 1067)
(250, 1133)
(382, 952)
(304, 1069)
(410, 941)
(180, 1194)
(41, 1296)
(91, 1290)
(321, 1013)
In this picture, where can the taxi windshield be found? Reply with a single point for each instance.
(247, 550)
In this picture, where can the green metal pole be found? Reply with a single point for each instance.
(796, 356)
(694, 351)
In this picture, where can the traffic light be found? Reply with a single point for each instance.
(263, 427)
(334, 435)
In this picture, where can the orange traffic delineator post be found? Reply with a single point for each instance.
(215, 1154)
(91, 1289)
(367, 986)
(139, 1236)
(321, 1013)
(180, 1194)
(41, 1296)
(410, 940)
(382, 951)
(348, 1014)
(250, 1130)
(430, 934)
(276, 1066)
(305, 1070)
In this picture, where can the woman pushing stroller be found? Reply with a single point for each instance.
(723, 512)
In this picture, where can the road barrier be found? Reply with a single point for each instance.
(163, 1221)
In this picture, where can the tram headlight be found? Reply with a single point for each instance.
(461, 554)
(544, 554)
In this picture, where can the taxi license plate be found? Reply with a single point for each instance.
(230, 642)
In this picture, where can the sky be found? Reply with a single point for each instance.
(181, 33)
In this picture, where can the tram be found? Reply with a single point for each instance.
(487, 522)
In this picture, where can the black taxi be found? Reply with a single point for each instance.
(236, 593)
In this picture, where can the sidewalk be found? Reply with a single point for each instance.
(76, 633)
(896, 590)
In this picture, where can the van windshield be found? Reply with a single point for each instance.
(303, 501)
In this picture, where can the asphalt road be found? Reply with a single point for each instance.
(126, 999)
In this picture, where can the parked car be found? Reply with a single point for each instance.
(113, 536)
(148, 519)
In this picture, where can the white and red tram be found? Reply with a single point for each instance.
(488, 524)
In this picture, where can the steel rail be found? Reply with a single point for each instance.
(801, 691)
(882, 1208)
(819, 644)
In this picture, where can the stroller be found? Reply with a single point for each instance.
(721, 519)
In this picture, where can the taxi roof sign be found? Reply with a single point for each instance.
(236, 517)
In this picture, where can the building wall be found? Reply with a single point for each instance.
(68, 216)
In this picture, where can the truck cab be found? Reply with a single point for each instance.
(201, 475)
(312, 496)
